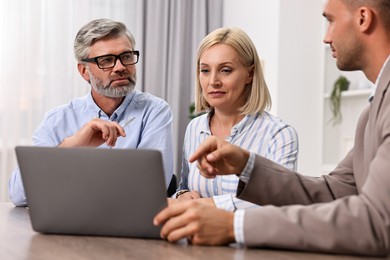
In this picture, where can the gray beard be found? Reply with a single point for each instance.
(109, 91)
(116, 92)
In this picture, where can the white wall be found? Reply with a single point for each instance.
(260, 20)
(288, 36)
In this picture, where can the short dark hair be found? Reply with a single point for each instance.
(382, 6)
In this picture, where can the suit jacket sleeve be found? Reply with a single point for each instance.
(356, 216)
(279, 186)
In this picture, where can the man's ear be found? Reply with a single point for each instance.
(83, 71)
(365, 17)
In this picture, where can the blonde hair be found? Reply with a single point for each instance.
(257, 96)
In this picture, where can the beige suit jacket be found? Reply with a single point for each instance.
(349, 209)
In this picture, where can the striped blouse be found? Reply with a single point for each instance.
(261, 133)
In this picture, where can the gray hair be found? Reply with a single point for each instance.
(96, 30)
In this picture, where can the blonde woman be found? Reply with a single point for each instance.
(231, 90)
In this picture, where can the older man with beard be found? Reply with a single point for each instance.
(113, 114)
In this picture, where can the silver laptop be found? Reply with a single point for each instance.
(90, 191)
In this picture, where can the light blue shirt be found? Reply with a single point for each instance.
(261, 133)
(147, 121)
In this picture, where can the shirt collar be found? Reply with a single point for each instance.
(205, 127)
(92, 106)
(378, 78)
(381, 71)
(240, 127)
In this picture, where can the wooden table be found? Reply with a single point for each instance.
(19, 241)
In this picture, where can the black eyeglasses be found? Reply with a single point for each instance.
(108, 61)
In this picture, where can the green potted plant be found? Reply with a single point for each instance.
(340, 85)
(191, 111)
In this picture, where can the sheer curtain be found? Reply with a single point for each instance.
(37, 66)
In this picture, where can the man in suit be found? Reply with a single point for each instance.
(346, 211)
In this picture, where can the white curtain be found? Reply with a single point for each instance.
(37, 66)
